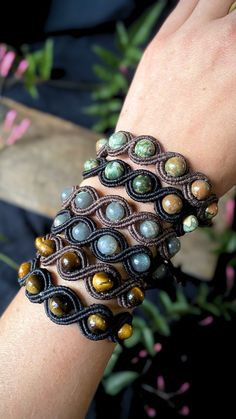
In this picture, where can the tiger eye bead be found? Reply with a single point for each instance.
(96, 323)
(101, 282)
(34, 284)
(125, 331)
(200, 189)
(211, 211)
(70, 261)
(135, 296)
(172, 204)
(175, 166)
(60, 306)
(45, 247)
(24, 269)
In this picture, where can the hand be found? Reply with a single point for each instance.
(184, 90)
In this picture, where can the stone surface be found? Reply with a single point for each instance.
(61, 219)
(107, 245)
(144, 148)
(175, 166)
(141, 262)
(190, 224)
(83, 200)
(172, 204)
(100, 143)
(96, 323)
(142, 184)
(34, 284)
(125, 332)
(115, 211)
(90, 164)
(66, 193)
(80, 231)
(102, 282)
(113, 170)
(24, 269)
(70, 262)
(60, 306)
(135, 296)
(149, 229)
(173, 245)
(211, 211)
(200, 189)
(117, 140)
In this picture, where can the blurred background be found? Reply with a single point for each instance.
(65, 68)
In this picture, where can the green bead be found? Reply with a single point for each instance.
(117, 140)
(100, 143)
(190, 224)
(144, 148)
(90, 164)
(142, 184)
(175, 166)
(114, 170)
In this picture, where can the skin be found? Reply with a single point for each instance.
(183, 93)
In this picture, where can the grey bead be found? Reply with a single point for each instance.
(160, 272)
(149, 229)
(83, 200)
(173, 245)
(80, 231)
(115, 211)
(66, 193)
(141, 262)
(107, 245)
(61, 219)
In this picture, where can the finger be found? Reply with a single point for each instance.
(178, 17)
(212, 9)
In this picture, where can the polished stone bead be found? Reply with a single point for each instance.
(135, 296)
(141, 262)
(149, 229)
(117, 140)
(101, 282)
(175, 166)
(144, 148)
(142, 184)
(107, 245)
(45, 247)
(125, 332)
(211, 211)
(160, 272)
(70, 262)
(66, 193)
(90, 164)
(190, 223)
(24, 269)
(114, 170)
(34, 284)
(60, 305)
(96, 323)
(173, 245)
(61, 219)
(200, 189)
(80, 231)
(83, 200)
(172, 204)
(101, 143)
(115, 211)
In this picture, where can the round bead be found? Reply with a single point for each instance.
(211, 211)
(80, 231)
(173, 245)
(142, 184)
(114, 170)
(141, 262)
(70, 262)
(135, 296)
(24, 269)
(101, 282)
(66, 193)
(60, 306)
(97, 323)
(144, 148)
(175, 166)
(149, 229)
(125, 331)
(117, 140)
(115, 211)
(100, 143)
(172, 204)
(190, 223)
(83, 200)
(61, 219)
(200, 189)
(45, 247)
(107, 245)
(90, 164)
(160, 272)
(34, 284)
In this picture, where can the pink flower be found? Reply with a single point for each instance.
(6, 63)
(151, 412)
(183, 388)
(22, 67)
(230, 274)
(143, 353)
(207, 321)
(18, 131)
(9, 119)
(229, 211)
(3, 50)
(158, 347)
(184, 411)
(160, 383)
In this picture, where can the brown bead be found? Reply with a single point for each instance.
(70, 262)
(60, 306)
(45, 247)
(200, 189)
(102, 282)
(172, 204)
(125, 331)
(96, 323)
(211, 211)
(175, 166)
(24, 269)
(135, 296)
(34, 284)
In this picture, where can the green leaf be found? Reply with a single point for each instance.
(2, 238)
(46, 62)
(148, 340)
(211, 308)
(202, 294)
(122, 37)
(162, 326)
(107, 56)
(134, 339)
(118, 381)
(165, 300)
(103, 73)
(8, 261)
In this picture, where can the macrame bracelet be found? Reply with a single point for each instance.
(63, 306)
